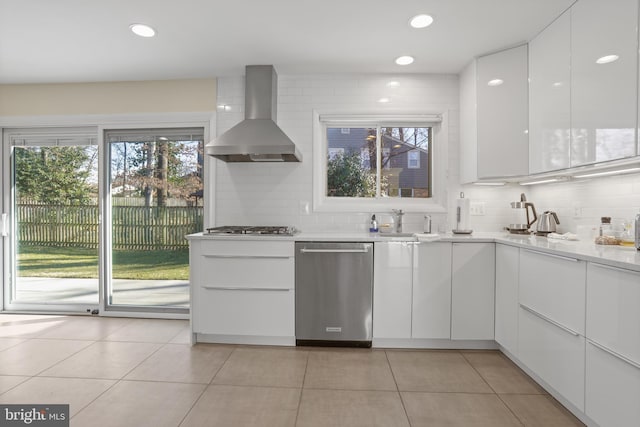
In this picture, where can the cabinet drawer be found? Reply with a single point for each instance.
(247, 248)
(612, 389)
(613, 309)
(554, 286)
(244, 312)
(553, 354)
(215, 271)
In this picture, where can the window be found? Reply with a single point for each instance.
(379, 162)
(355, 169)
(413, 159)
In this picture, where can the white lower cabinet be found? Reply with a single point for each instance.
(243, 291)
(506, 328)
(613, 346)
(612, 388)
(551, 342)
(264, 312)
(473, 291)
(431, 310)
(392, 287)
(553, 353)
(554, 286)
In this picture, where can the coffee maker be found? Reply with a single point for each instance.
(522, 221)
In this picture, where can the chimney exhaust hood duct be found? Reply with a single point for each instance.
(257, 138)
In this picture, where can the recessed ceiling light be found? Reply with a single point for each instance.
(607, 59)
(495, 82)
(421, 21)
(558, 84)
(384, 100)
(404, 60)
(393, 83)
(142, 30)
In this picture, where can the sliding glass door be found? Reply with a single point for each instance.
(52, 225)
(100, 223)
(155, 199)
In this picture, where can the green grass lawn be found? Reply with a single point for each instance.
(63, 262)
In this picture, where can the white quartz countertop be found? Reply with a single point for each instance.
(615, 256)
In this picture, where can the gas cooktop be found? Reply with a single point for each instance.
(252, 229)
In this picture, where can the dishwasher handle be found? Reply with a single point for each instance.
(363, 250)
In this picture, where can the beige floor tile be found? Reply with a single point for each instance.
(183, 337)
(148, 330)
(85, 328)
(435, 371)
(457, 409)
(28, 326)
(103, 359)
(501, 373)
(7, 382)
(269, 367)
(6, 343)
(540, 411)
(34, 356)
(222, 406)
(349, 370)
(350, 408)
(140, 404)
(182, 363)
(76, 392)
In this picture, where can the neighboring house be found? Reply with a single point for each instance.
(405, 166)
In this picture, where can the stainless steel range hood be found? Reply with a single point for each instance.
(257, 138)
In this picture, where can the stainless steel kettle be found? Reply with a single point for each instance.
(547, 222)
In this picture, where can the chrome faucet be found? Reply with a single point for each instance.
(397, 218)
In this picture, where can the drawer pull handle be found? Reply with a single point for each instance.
(248, 256)
(614, 354)
(553, 322)
(238, 288)
(335, 251)
(552, 255)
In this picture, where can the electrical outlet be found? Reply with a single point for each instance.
(476, 208)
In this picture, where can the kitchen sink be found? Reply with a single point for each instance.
(397, 234)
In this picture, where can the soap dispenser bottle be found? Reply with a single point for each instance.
(373, 227)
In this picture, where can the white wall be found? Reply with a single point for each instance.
(276, 193)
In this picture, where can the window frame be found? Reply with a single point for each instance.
(438, 121)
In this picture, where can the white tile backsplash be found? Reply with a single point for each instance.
(276, 193)
(272, 193)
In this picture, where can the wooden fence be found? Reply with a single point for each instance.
(132, 227)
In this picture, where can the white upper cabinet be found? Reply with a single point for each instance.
(493, 116)
(603, 89)
(549, 97)
(502, 114)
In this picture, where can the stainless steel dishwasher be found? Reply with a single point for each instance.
(334, 293)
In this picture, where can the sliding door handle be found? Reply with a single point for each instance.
(4, 230)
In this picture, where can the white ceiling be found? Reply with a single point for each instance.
(89, 40)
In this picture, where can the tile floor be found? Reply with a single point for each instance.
(135, 372)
